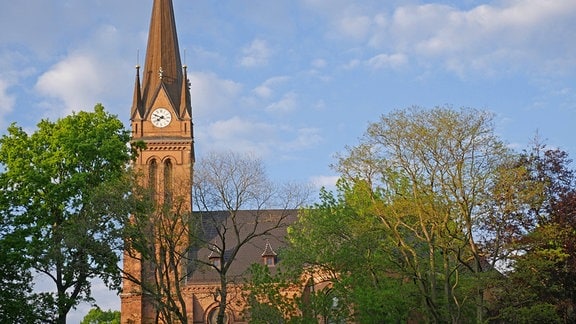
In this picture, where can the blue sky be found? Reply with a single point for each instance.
(294, 81)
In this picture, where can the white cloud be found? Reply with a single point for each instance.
(75, 81)
(241, 135)
(251, 136)
(387, 61)
(306, 138)
(511, 34)
(356, 27)
(328, 182)
(265, 90)
(286, 104)
(212, 95)
(6, 100)
(85, 77)
(256, 54)
(496, 37)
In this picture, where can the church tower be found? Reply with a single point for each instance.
(161, 117)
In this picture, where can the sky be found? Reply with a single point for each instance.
(295, 81)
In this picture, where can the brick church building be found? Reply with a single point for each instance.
(161, 117)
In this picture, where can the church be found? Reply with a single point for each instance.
(161, 117)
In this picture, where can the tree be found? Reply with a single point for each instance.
(540, 247)
(431, 168)
(53, 187)
(159, 236)
(421, 175)
(267, 297)
(98, 316)
(227, 185)
(18, 303)
(342, 242)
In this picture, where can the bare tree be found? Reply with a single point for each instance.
(238, 204)
(158, 239)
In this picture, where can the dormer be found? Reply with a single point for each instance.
(215, 259)
(269, 257)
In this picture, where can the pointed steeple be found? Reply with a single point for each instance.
(163, 67)
(136, 111)
(185, 102)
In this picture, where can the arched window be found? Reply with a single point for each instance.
(168, 181)
(153, 176)
(213, 316)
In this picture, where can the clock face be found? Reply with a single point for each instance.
(161, 117)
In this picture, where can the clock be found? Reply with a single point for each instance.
(161, 117)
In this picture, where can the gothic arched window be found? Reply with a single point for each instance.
(168, 181)
(153, 176)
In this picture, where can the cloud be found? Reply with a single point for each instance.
(75, 81)
(510, 34)
(6, 101)
(381, 61)
(286, 104)
(356, 27)
(256, 54)
(85, 77)
(497, 37)
(252, 136)
(307, 137)
(240, 134)
(265, 90)
(328, 182)
(212, 95)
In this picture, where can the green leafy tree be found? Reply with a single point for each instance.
(540, 279)
(98, 316)
(54, 192)
(412, 190)
(429, 170)
(267, 297)
(342, 244)
(18, 302)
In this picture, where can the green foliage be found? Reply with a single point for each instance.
(400, 236)
(56, 201)
(265, 298)
(343, 241)
(98, 316)
(540, 283)
(538, 313)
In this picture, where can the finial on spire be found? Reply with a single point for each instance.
(161, 73)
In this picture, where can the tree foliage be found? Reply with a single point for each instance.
(540, 280)
(98, 316)
(412, 190)
(54, 204)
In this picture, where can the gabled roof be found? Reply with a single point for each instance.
(250, 253)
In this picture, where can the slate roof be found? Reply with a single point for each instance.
(274, 222)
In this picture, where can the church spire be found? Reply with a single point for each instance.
(185, 101)
(136, 111)
(162, 67)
